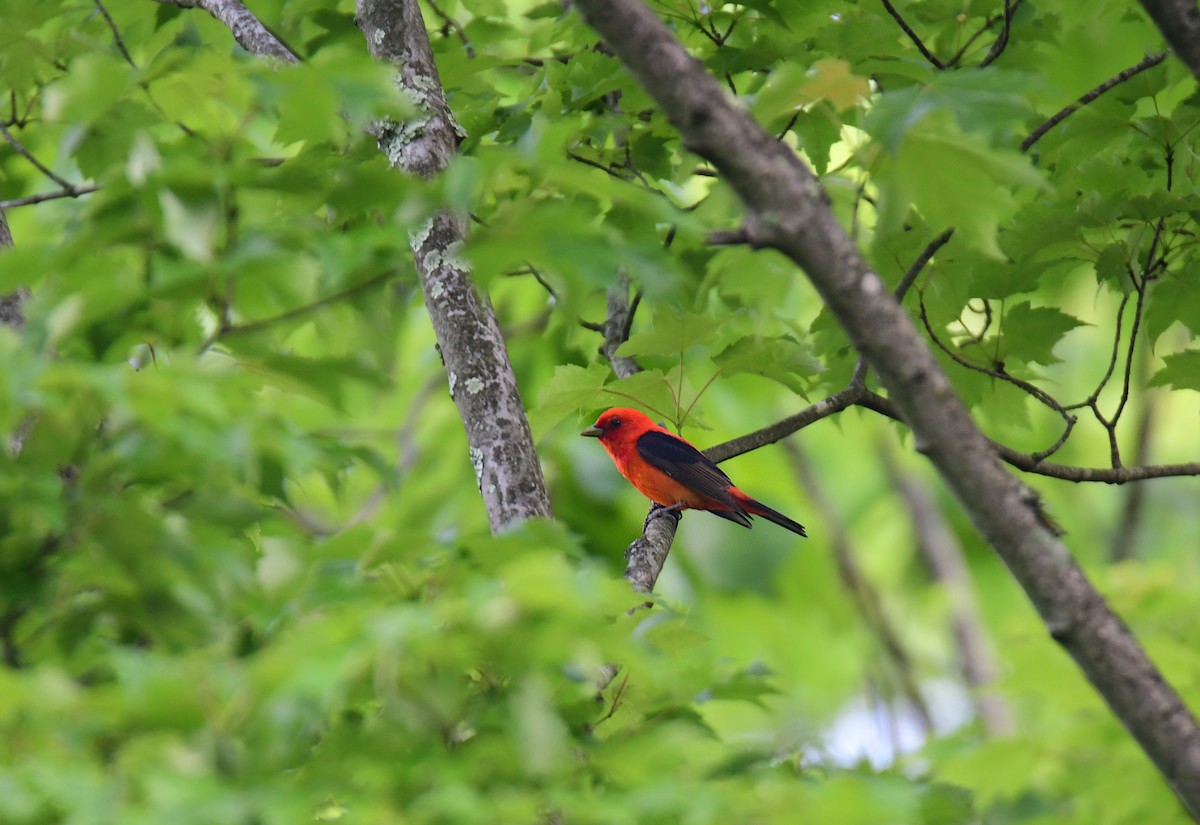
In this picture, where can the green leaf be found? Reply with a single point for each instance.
(1031, 333)
(648, 389)
(792, 87)
(1181, 371)
(983, 103)
(572, 389)
(673, 334)
(1112, 266)
(782, 359)
(953, 179)
(325, 378)
(1174, 298)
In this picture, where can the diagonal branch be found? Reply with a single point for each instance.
(1040, 132)
(69, 192)
(249, 32)
(787, 210)
(1001, 41)
(912, 35)
(298, 312)
(117, 39)
(20, 149)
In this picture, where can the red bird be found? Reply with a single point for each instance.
(674, 474)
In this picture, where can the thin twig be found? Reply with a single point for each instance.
(999, 372)
(454, 26)
(912, 35)
(1040, 132)
(782, 429)
(263, 323)
(25, 153)
(862, 397)
(530, 269)
(1090, 401)
(1134, 506)
(8, 638)
(988, 22)
(72, 192)
(116, 33)
(1001, 41)
(727, 237)
(922, 260)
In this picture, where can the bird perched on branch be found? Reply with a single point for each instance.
(672, 473)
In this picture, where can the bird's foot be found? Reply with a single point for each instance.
(657, 510)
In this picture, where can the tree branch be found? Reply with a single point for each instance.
(1040, 132)
(787, 210)
(1179, 21)
(453, 25)
(646, 555)
(117, 39)
(482, 382)
(1001, 41)
(247, 30)
(1107, 475)
(11, 305)
(25, 153)
(481, 377)
(912, 35)
(782, 429)
(298, 312)
(69, 192)
(920, 263)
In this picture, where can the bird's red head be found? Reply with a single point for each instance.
(620, 424)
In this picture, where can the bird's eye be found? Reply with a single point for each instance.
(616, 422)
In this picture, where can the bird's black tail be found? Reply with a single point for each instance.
(759, 509)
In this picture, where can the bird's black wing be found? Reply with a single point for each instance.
(687, 465)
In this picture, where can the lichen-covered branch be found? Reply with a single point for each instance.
(6, 238)
(250, 32)
(11, 305)
(481, 378)
(646, 555)
(787, 210)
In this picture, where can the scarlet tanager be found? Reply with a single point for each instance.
(674, 474)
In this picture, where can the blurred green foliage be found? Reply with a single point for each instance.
(244, 572)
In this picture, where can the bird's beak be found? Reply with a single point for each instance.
(593, 432)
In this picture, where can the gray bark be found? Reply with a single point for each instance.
(787, 210)
(1179, 21)
(12, 304)
(481, 378)
(646, 555)
(247, 30)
